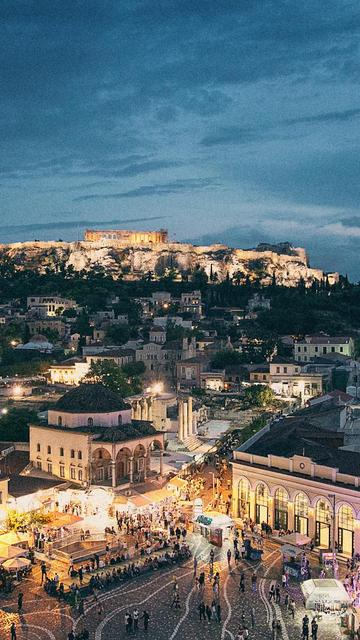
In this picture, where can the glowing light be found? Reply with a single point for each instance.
(13, 343)
(158, 387)
(17, 390)
(4, 411)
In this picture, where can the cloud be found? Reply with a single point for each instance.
(330, 116)
(177, 186)
(70, 224)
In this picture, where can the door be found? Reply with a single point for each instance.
(346, 542)
(301, 525)
(261, 513)
(100, 474)
(322, 535)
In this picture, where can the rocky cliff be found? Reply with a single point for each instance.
(289, 264)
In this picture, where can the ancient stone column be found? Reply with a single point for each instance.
(145, 466)
(181, 420)
(186, 421)
(144, 413)
(190, 416)
(150, 408)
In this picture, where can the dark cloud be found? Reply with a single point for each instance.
(72, 224)
(167, 188)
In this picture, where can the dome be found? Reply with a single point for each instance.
(90, 398)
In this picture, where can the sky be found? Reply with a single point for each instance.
(232, 121)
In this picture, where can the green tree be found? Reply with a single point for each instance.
(258, 395)
(226, 358)
(113, 377)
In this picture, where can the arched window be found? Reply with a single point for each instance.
(346, 530)
(72, 453)
(60, 421)
(261, 503)
(244, 498)
(38, 448)
(323, 515)
(346, 517)
(90, 422)
(119, 419)
(301, 512)
(281, 509)
(323, 512)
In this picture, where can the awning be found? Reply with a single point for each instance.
(14, 538)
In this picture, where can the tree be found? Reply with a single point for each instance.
(14, 425)
(258, 395)
(225, 358)
(113, 377)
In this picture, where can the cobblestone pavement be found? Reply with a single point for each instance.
(43, 618)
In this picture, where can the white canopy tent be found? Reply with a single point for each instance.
(324, 593)
(296, 539)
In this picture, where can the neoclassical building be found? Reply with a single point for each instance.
(297, 479)
(90, 439)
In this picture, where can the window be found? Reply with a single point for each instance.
(305, 349)
(38, 464)
(72, 473)
(299, 349)
(49, 449)
(316, 349)
(264, 376)
(80, 474)
(244, 498)
(285, 369)
(79, 455)
(324, 349)
(62, 471)
(60, 421)
(281, 508)
(277, 369)
(49, 467)
(119, 420)
(61, 451)
(72, 453)
(332, 349)
(38, 448)
(256, 377)
(90, 422)
(341, 349)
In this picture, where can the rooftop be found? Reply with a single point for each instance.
(131, 431)
(90, 398)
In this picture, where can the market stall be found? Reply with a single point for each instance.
(325, 594)
(214, 526)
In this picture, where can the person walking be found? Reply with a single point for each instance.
(254, 582)
(195, 566)
(252, 615)
(242, 582)
(146, 618)
(208, 613)
(13, 631)
(271, 593)
(43, 571)
(201, 608)
(277, 594)
(314, 629)
(292, 607)
(20, 601)
(136, 619)
(228, 555)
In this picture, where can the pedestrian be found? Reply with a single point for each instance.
(277, 594)
(136, 619)
(177, 600)
(271, 593)
(254, 582)
(292, 607)
(252, 614)
(201, 608)
(20, 601)
(228, 555)
(208, 613)
(195, 566)
(314, 629)
(71, 635)
(218, 612)
(81, 574)
(13, 631)
(242, 582)
(273, 630)
(283, 580)
(43, 571)
(146, 618)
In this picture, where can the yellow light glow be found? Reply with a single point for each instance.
(17, 390)
(158, 387)
(4, 411)
(13, 343)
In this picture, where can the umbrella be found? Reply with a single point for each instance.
(16, 564)
(7, 552)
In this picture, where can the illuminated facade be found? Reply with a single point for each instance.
(126, 236)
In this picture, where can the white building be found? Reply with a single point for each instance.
(314, 346)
